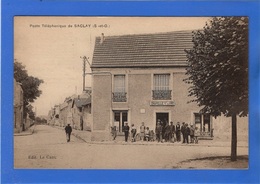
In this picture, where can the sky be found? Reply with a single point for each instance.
(51, 48)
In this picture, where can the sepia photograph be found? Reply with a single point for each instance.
(105, 92)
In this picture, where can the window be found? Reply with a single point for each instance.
(119, 94)
(161, 87)
(202, 121)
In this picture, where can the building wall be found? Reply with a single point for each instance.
(139, 85)
(101, 96)
(63, 116)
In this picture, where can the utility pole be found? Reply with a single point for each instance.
(85, 59)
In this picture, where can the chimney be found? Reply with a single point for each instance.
(102, 38)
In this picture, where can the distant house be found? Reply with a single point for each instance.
(18, 107)
(139, 78)
(63, 113)
(81, 108)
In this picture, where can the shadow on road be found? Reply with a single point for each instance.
(216, 162)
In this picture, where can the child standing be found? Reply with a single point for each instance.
(133, 132)
(147, 132)
(151, 135)
(113, 131)
(196, 134)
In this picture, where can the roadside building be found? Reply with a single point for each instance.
(50, 120)
(139, 78)
(57, 115)
(81, 112)
(18, 107)
(63, 113)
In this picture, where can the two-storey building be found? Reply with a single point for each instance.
(139, 78)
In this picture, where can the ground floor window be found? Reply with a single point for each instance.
(120, 118)
(204, 124)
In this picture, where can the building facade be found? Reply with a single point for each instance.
(139, 78)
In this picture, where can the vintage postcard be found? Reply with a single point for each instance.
(165, 93)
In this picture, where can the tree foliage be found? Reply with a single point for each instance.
(218, 66)
(30, 86)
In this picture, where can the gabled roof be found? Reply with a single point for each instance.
(144, 50)
(80, 102)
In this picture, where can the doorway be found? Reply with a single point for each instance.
(163, 117)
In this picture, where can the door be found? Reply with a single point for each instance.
(164, 119)
(120, 118)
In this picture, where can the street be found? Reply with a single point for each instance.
(47, 148)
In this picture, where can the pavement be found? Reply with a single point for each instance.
(29, 131)
(85, 136)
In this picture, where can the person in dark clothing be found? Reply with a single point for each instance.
(178, 132)
(163, 124)
(186, 134)
(172, 132)
(167, 133)
(182, 132)
(133, 132)
(68, 131)
(126, 130)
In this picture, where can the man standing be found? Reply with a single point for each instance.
(172, 132)
(142, 130)
(68, 131)
(183, 131)
(158, 131)
(126, 130)
(178, 132)
(186, 133)
(133, 131)
(192, 130)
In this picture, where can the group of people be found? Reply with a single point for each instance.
(164, 132)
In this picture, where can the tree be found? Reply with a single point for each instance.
(30, 86)
(218, 70)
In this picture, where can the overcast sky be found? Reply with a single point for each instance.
(50, 47)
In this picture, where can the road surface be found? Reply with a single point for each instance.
(47, 148)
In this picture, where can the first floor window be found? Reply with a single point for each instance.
(161, 87)
(119, 92)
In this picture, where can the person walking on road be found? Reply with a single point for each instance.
(126, 130)
(68, 131)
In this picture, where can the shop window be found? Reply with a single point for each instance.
(202, 121)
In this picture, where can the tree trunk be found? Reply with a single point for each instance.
(234, 138)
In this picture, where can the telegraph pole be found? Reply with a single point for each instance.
(84, 70)
(85, 59)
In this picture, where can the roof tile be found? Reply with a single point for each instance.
(144, 50)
